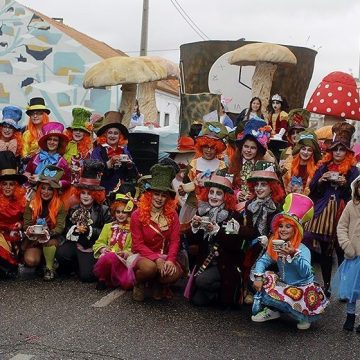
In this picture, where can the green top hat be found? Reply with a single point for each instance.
(308, 138)
(51, 175)
(161, 179)
(81, 118)
(214, 130)
(298, 119)
(264, 170)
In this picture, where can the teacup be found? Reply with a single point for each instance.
(188, 187)
(334, 176)
(124, 158)
(278, 244)
(205, 220)
(38, 229)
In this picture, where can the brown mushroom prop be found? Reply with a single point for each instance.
(266, 57)
(128, 72)
(336, 97)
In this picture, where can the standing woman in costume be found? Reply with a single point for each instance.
(137, 118)
(52, 146)
(346, 282)
(155, 231)
(38, 116)
(251, 146)
(84, 223)
(277, 114)
(215, 242)
(293, 290)
(112, 249)
(44, 221)
(330, 190)
(112, 150)
(12, 205)
(300, 168)
(80, 142)
(10, 131)
(254, 110)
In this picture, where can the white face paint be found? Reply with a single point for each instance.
(216, 196)
(86, 199)
(262, 189)
(339, 154)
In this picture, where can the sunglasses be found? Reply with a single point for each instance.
(36, 113)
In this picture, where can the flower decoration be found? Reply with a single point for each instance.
(312, 298)
(89, 126)
(294, 293)
(275, 295)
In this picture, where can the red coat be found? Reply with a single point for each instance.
(148, 243)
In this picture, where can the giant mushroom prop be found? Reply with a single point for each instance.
(128, 72)
(266, 57)
(336, 97)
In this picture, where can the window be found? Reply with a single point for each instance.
(167, 119)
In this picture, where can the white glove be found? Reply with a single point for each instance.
(263, 240)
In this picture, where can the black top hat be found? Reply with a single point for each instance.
(8, 168)
(37, 103)
(91, 175)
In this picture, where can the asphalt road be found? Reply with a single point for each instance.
(58, 320)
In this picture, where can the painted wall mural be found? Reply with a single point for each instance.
(37, 59)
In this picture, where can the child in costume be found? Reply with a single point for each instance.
(38, 116)
(44, 221)
(113, 247)
(80, 142)
(10, 134)
(84, 222)
(293, 290)
(346, 283)
(12, 205)
(300, 167)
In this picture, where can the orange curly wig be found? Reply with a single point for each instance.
(17, 197)
(277, 191)
(295, 241)
(145, 207)
(18, 137)
(97, 195)
(346, 164)
(206, 141)
(102, 139)
(32, 128)
(229, 199)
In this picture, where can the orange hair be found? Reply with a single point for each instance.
(36, 204)
(229, 199)
(295, 241)
(204, 140)
(97, 195)
(102, 139)
(18, 137)
(18, 197)
(230, 151)
(277, 191)
(310, 166)
(114, 205)
(145, 207)
(85, 144)
(32, 128)
(344, 166)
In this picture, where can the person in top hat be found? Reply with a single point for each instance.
(10, 130)
(277, 116)
(52, 148)
(38, 116)
(12, 205)
(292, 290)
(330, 190)
(209, 146)
(267, 195)
(84, 222)
(44, 221)
(112, 249)
(80, 142)
(112, 150)
(155, 231)
(215, 243)
(299, 168)
(298, 121)
(251, 146)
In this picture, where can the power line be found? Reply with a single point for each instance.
(135, 51)
(190, 22)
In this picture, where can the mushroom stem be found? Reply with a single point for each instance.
(147, 102)
(127, 102)
(262, 81)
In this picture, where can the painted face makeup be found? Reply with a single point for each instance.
(306, 153)
(112, 136)
(216, 196)
(121, 216)
(339, 154)
(262, 189)
(85, 198)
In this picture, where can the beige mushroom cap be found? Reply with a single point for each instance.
(124, 70)
(251, 54)
(172, 69)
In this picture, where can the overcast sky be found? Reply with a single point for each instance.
(332, 27)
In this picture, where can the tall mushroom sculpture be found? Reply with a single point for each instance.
(266, 58)
(128, 72)
(336, 97)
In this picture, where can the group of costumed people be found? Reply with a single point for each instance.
(220, 212)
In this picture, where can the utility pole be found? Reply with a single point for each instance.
(144, 28)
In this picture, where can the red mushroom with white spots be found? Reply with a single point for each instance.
(336, 97)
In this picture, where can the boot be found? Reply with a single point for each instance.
(349, 323)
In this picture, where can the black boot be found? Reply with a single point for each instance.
(349, 323)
